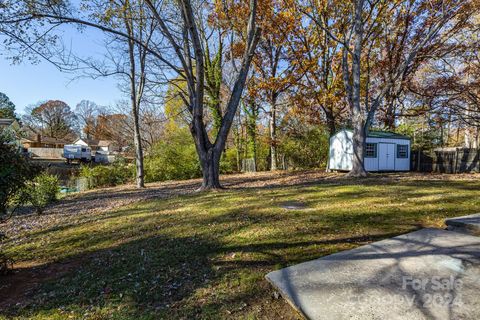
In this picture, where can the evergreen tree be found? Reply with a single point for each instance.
(7, 108)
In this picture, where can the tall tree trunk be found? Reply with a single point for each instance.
(210, 153)
(135, 99)
(239, 162)
(358, 118)
(210, 163)
(359, 137)
(251, 132)
(332, 129)
(139, 179)
(254, 152)
(273, 136)
(390, 117)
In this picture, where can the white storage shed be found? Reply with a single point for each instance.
(384, 151)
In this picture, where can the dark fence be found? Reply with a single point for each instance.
(451, 160)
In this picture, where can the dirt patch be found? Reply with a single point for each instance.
(19, 285)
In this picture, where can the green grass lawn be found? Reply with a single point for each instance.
(205, 255)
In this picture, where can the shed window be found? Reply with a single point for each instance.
(402, 151)
(371, 150)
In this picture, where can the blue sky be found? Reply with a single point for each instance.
(28, 83)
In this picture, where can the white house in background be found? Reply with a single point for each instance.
(104, 151)
(384, 151)
(105, 146)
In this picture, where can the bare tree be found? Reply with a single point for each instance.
(52, 118)
(86, 112)
(176, 48)
(192, 57)
(359, 37)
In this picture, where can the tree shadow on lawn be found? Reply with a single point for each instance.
(314, 198)
(110, 198)
(98, 199)
(158, 277)
(201, 272)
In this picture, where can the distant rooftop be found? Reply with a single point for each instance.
(44, 139)
(6, 122)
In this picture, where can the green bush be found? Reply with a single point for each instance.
(6, 264)
(306, 148)
(15, 171)
(41, 191)
(173, 158)
(107, 175)
(228, 161)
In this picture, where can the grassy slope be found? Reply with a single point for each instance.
(206, 255)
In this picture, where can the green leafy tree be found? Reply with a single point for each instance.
(173, 158)
(6, 263)
(7, 108)
(306, 147)
(15, 171)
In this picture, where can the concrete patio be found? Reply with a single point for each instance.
(467, 224)
(426, 274)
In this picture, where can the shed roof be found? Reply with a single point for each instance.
(384, 135)
(104, 143)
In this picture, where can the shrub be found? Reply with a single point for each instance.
(107, 175)
(228, 161)
(173, 158)
(41, 191)
(306, 148)
(6, 263)
(15, 171)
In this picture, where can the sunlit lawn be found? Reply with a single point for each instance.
(205, 255)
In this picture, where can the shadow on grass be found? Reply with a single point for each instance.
(159, 277)
(160, 260)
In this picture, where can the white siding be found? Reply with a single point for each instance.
(401, 164)
(371, 164)
(80, 142)
(341, 152)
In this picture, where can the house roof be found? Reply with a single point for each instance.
(95, 143)
(104, 143)
(89, 142)
(6, 122)
(46, 140)
(384, 134)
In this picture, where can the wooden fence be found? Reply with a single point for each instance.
(47, 153)
(451, 160)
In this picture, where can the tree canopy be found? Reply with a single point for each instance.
(391, 65)
(7, 108)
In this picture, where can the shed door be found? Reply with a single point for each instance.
(386, 156)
